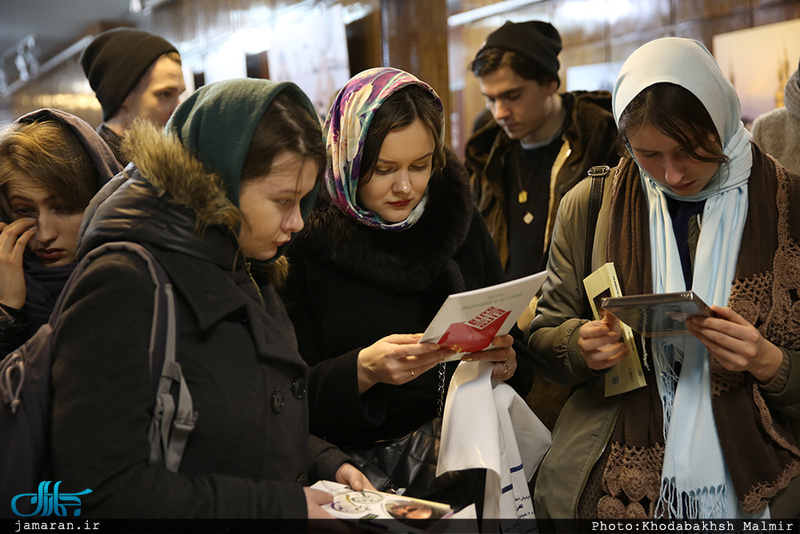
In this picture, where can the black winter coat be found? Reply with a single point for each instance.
(250, 446)
(350, 285)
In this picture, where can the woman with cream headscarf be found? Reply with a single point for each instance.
(693, 205)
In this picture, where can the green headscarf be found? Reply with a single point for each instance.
(217, 122)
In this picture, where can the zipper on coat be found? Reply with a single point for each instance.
(596, 459)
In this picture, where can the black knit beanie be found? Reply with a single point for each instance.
(116, 60)
(536, 40)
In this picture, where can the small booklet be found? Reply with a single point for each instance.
(626, 375)
(468, 321)
(658, 315)
(382, 511)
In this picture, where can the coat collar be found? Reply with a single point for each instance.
(212, 297)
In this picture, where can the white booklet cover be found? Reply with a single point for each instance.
(468, 321)
(386, 511)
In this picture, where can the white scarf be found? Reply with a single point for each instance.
(695, 482)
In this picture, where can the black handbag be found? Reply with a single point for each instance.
(404, 465)
(407, 465)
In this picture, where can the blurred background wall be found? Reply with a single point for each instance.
(434, 39)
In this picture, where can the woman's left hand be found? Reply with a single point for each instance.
(350, 475)
(502, 355)
(736, 344)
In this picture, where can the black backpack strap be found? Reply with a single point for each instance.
(172, 420)
(159, 349)
(598, 175)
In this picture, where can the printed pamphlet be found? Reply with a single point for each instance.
(626, 375)
(664, 314)
(468, 321)
(382, 511)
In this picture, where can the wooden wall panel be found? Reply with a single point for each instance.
(578, 22)
(420, 22)
(412, 39)
(364, 42)
(704, 29)
(640, 17)
(413, 29)
(770, 13)
(704, 9)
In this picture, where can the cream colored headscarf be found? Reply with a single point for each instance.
(696, 482)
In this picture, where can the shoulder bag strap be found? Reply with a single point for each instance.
(598, 175)
(172, 421)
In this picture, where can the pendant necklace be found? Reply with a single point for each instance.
(522, 196)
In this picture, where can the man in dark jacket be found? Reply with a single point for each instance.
(539, 145)
(133, 74)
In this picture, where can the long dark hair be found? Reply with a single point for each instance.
(678, 114)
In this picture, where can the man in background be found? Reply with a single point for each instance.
(539, 145)
(133, 74)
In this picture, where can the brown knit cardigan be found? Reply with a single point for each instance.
(759, 447)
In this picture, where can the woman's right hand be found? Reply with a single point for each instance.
(397, 359)
(14, 238)
(601, 344)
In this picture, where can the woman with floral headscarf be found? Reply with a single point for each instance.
(395, 234)
(693, 205)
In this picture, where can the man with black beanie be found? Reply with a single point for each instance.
(539, 145)
(133, 74)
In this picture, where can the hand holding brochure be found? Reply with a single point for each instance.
(468, 321)
(626, 375)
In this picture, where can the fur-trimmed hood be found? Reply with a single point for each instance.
(164, 198)
(410, 260)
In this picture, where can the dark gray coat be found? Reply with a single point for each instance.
(236, 345)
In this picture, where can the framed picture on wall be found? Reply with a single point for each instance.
(758, 61)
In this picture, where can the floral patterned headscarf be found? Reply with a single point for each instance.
(346, 132)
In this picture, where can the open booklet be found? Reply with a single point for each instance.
(386, 511)
(468, 321)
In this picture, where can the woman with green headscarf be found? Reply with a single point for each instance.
(216, 199)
